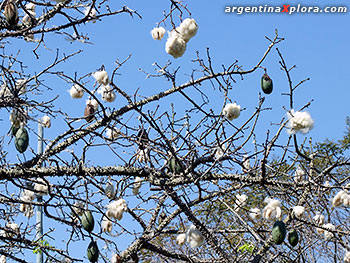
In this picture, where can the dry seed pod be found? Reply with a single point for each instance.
(89, 112)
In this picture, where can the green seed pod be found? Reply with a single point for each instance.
(92, 251)
(87, 221)
(293, 237)
(266, 84)
(21, 140)
(175, 166)
(278, 232)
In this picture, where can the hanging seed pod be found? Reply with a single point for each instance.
(87, 221)
(92, 251)
(142, 138)
(11, 13)
(278, 232)
(109, 190)
(175, 166)
(89, 112)
(21, 140)
(266, 84)
(293, 237)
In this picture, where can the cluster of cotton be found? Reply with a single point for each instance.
(299, 174)
(347, 257)
(11, 230)
(5, 91)
(112, 133)
(101, 77)
(192, 236)
(137, 185)
(115, 258)
(319, 220)
(232, 111)
(255, 213)
(142, 155)
(27, 196)
(158, 33)
(76, 91)
(41, 187)
(90, 13)
(106, 225)
(107, 93)
(178, 38)
(21, 86)
(46, 121)
(18, 117)
(299, 122)
(116, 209)
(241, 200)
(341, 198)
(93, 103)
(298, 211)
(246, 164)
(29, 15)
(328, 234)
(220, 151)
(272, 209)
(2, 259)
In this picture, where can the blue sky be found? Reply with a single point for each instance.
(317, 44)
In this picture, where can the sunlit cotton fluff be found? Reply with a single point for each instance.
(46, 121)
(113, 133)
(158, 33)
(21, 86)
(18, 117)
(11, 230)
(116, 209)
(255, 213)
(219, 151)
(232, 111)
(107, 93)
(101, 77)
(93, 103)
(91, 13)
(328, 234)
(137, 185)
(241, 200)
(115, 258)
(106, 225)
(339, 198)
(272, 209)
(347, 257)
(76, 91)
(41, 187)
(319, 220)
(299, 122)
(142, 155)
(188, 29)
(175, 44)
(194, 237)
(181, 239)
(299, 174)
(27, 209)
(2, 259)
(298, 211)
(30, 7)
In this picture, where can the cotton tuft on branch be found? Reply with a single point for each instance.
(299, 122)
(232, 111)
(158, 33)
